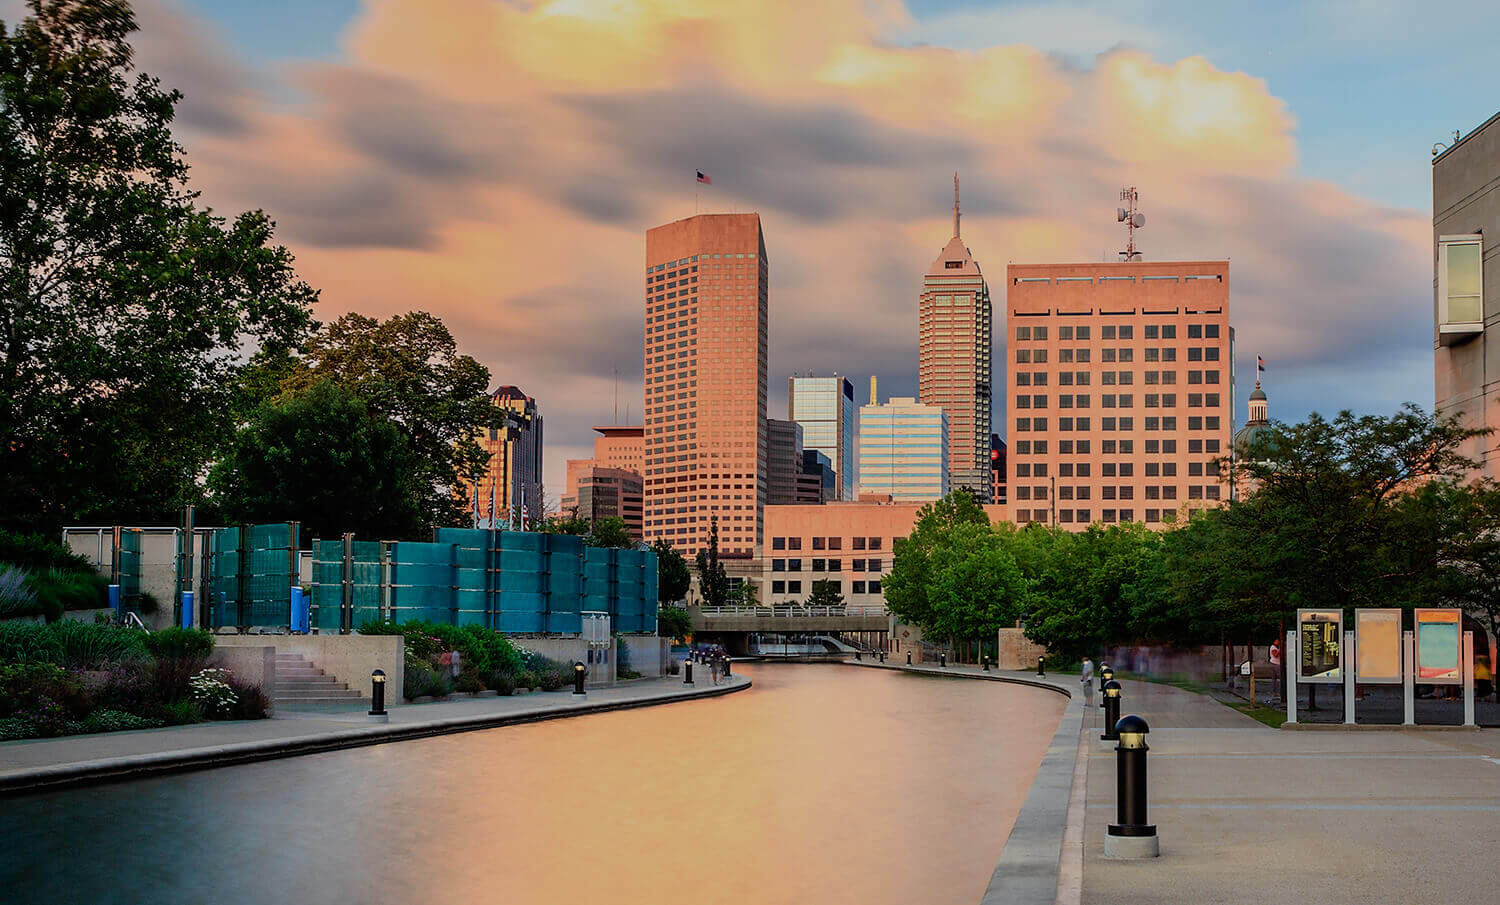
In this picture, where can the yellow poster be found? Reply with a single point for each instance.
(1377, 650)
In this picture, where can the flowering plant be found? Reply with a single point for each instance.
(212, 690)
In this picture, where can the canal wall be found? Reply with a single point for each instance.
(1041, 863)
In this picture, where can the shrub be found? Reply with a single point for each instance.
(77, 645)
(503, 683)
(46, 717)
(64, 589)
(180, 643)
(16, 595)
(527, 679)
(423, 681)
(37, 551)
(439, 684)
(469, 681)
(250, 703)
(115, 721)
(22, 685)
(180, 713)
(212, 690)
(380, 627)
(146, 603)
(553, 679)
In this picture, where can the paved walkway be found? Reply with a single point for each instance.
(1247, 813)
(36, 763)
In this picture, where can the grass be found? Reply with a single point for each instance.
(1270, 716)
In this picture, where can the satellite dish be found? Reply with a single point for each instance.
(1119, 215)
(1138, 221)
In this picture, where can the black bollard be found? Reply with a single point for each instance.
(1106, 672)
(986, 661)
(856, 655)
(726, 666)
(1111, 705)
(908, 658)
(943, 660)
(1132, 836)
(578, 673)
(377, 693)
(1040, 669)
(687, 672)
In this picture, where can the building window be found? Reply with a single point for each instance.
(835, 565)
(778, 543)
(778, 587)
(1460, 288)
(794, 565)
(794, 587)
(778, 565)
(794, 543)
(874, 543)
(835, 543)
(819, 565)
(858, 587)
(857, 566)
(874, 587)
(819, 543)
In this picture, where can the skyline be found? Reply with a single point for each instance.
(421, 164)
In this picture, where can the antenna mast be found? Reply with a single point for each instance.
(1133, 219)
(955, 204)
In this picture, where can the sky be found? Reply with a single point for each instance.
(497, 162)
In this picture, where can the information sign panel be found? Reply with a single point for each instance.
(1377, 656)
(1321, 635)
(1438, 638)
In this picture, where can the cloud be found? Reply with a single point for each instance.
(498, 164)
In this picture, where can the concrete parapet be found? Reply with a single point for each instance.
(251, 664)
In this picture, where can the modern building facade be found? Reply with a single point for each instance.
(824, 406)
(609, 484)
(705, 382)
(953, 366)
(903, 450)
(997, 470)
(818, 483)
(1466, 287)
(515, 468)
(1122, 385)
(783, 461)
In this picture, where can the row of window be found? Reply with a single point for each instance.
(704, 256)
(1114, 400)
(856, 587)
(1121, 331)
(827, 543)
(1083, 516)
(828, 565)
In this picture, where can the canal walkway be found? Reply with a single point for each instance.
(42, 763)
(1247, 813)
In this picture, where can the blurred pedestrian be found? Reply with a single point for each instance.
(1086, 679)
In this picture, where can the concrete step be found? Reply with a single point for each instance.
(330, 685)
(295, 703)
(319, 696)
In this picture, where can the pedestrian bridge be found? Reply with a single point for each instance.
(789, 619)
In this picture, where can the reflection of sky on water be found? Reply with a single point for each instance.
(819, 784)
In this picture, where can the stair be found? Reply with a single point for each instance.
(301, 685)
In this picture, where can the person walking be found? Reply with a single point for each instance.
(1086, 678)
(1276, 669)
(713, 667)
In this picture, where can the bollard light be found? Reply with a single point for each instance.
(1106, 672)
(1040, 668)
(856, 655)
(1132, 836)
(986, 660)
(579, 671)
(687, 671)
(908, 658)
(377, 693)
(726, 666)
(1111, 705)
(943, 659)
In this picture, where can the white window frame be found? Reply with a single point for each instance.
(1451, 332)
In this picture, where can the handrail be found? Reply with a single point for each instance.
(134, 618)
(794, 611)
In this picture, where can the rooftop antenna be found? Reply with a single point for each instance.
(955, 204)
(617, 397)
(1440, 147)
(1133, 220)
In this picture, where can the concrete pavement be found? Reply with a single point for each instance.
(41, 763)
(1246, 813)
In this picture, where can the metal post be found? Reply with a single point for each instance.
(1131, 836)
(943, 659)
(1408, 677)
(1346, 656)
(1041, 668)
(1468, 673)
(1111, 705)
(908, 658)
(687, 670)
(377, 693)
(242, 581)
(579, 670)
(346, 598)
(1291, 659)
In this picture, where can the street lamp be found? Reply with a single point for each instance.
(377, 693)
(1132, 836)
(1111, 705)
(579, 670)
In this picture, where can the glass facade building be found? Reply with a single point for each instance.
(824, 406)
(903, 450)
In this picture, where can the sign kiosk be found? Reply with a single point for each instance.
(1314, 652)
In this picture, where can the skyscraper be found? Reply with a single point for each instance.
(1122, 384)
(824, 406)
(515, 448)
(903, 450)
(783, 461)
(705, 382)
(953, 369)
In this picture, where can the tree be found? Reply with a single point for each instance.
(673, 578)
(1085, 591)
(825, 594)
(408, 369)
(673, 622)
(124, 309)
(713, 583)
(321, 458)
(976, 585)
(608, 531)
(906, 586)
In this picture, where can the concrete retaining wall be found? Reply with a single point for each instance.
(649, 654)
(250, 665)
(349, 658)
(572, 650)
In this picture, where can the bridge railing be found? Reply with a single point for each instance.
(770, 611)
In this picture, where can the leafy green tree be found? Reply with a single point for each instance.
(824, 594)
(749, 596)
(408, 369)
(713, 582)
(673, 622)
(1086, 592)
(608, 531)
(906, 586)
(321, 458)
(977, 587)
(673, 577)
(124, 308)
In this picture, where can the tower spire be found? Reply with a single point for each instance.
(955, 204)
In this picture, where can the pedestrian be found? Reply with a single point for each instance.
(1276, 668)
(713, 668)
(1086, 679)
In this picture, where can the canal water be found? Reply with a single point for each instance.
(819, 784)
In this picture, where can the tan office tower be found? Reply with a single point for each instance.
(1122, 383)
(953, 370)
(705, 382)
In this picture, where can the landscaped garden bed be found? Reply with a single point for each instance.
(487, 661)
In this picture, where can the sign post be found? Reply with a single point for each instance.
(1468, 664)
(1290, 660)
(1408, 674)
(1351, 651)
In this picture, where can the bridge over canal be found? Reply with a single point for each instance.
(733, 626)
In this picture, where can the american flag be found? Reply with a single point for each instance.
(525, 517)
(703, 178)
(492, 502)
(1260, 363)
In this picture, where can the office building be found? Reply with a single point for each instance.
(1121, 382)
(609, 483)
(953, 368)
(705, 382)
(997, 470)
(818, 483)
(824, 406)
(903, 449)
(515, 449)
(1466, 298)
(783, 461)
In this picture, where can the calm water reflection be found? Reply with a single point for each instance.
(820, 784)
